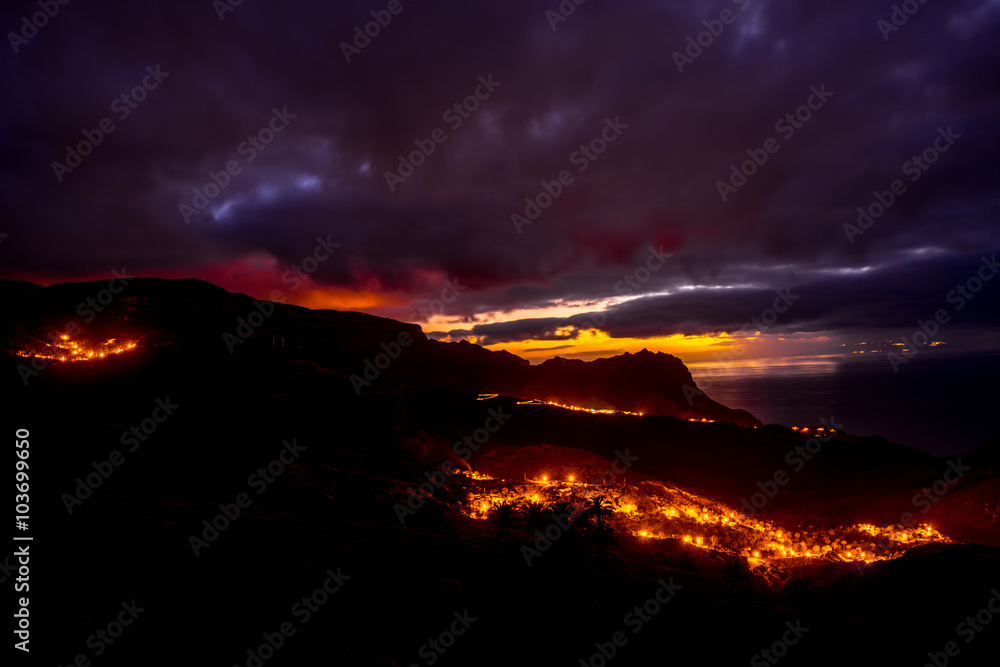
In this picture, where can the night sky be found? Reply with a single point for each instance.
(596, 98)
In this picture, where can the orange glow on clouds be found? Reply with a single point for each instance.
(263, 277)
(334, 298)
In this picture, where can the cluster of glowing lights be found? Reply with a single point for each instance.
(595, 411)
(885, 346)
(65, 348)
(653, 510)
(579, 409)
(806, 429)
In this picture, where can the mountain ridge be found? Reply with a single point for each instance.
(348, 342)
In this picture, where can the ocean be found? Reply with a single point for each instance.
(939, 402)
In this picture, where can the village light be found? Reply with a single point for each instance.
(63, 348)
(778, 555)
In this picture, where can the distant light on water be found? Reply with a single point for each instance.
(916, 408)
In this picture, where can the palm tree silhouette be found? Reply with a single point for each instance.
(534, 517)
(502, 517)
(563, 509)
(602, 534)
(598, 511)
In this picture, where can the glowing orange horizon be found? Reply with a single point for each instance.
(264, 277)
(592, 344)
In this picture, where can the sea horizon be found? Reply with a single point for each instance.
(923, 406)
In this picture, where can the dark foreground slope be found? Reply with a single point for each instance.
(130, 538)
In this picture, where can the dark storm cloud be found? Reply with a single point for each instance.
(543, 328)
(655, 185)
(548, 349)
(896, 297)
